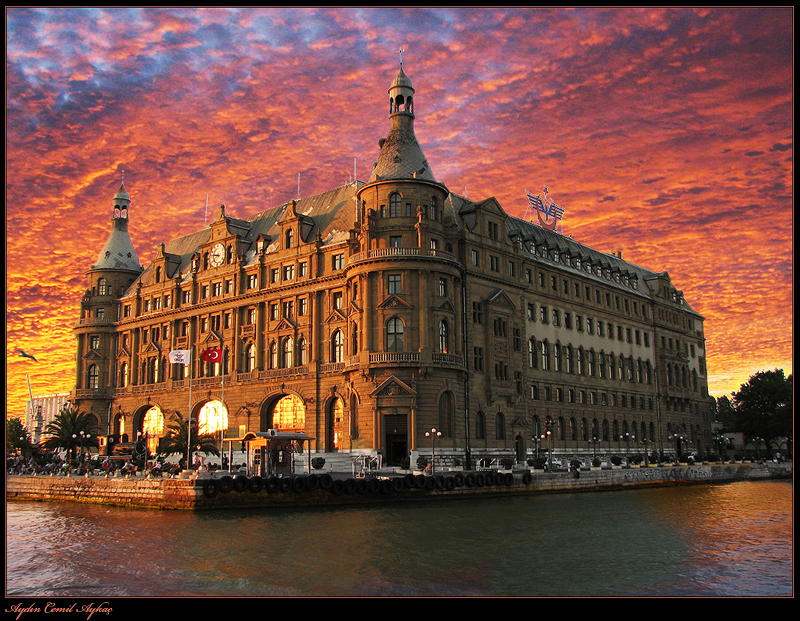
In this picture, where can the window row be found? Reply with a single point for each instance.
(559, 394)
(569, 320)
(579, 361)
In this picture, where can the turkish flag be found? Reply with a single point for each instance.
(212, 355)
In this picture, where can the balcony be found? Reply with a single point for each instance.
(400, 253)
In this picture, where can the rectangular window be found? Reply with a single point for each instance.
(477, 359)
(338, 261)
(393, 283)
(477, 313)
(302, 307)
(302, 269)
(288, 272)
(494, 264)
(475, 257)
(442, 287)
(274, 275)
(395, 241)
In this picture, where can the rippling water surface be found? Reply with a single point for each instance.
(705, 540)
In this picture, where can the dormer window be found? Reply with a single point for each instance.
(290, 238)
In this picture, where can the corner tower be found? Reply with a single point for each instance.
(409, 281)
(116, 268)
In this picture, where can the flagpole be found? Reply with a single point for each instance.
(189, 424)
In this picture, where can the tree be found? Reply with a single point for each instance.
(763, 406)
(175, 442)
(69, 430)
(725, 413)
(17, 437)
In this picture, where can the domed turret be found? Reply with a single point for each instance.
(401, 156)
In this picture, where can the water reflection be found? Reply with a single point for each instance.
(722, 540)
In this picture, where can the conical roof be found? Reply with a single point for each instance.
(401, 156)
(118, 252)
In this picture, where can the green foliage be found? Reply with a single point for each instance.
(763, 406)
(17, 437)
(175, 442)
(317, 462)
(507, 463)
(64, 432)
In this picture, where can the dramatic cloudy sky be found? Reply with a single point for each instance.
(666, 133)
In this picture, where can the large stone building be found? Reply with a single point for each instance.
(375, 312)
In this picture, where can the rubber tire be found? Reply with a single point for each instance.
(312, 482)
(508, 479)
(285, 484)
(362, 486)
(450, 483)
(480, 479)
(240, 483)
(410, 480)
(419, 481)
(459, 479)
(350, 486)
(398, 484)
(337, 487)
(210, 488)
(325, 481)
(225, 484)
(273, 484)
(470, 480)
(527, 478)
(374, 486)
(256, 484)
(299, 484)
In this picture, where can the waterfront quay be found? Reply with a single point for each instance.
(230, 490)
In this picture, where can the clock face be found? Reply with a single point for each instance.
(217, 255)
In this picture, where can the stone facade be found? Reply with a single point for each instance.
(375, 312)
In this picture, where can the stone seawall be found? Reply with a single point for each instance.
(237, 492)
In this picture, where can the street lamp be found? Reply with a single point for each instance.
(549, 423)
(594, 446)
(433, 434)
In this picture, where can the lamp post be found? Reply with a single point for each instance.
(594, 446)
(645, 441)
(549, 423)
(433, 434)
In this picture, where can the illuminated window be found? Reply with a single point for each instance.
(289, 414)
(213, 417)
(153, 427)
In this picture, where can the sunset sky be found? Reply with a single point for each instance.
(664, 133)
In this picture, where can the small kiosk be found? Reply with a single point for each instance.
(276, 453)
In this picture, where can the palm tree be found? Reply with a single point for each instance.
(69, 430)
(175, 442)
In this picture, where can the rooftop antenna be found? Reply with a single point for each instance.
(400, 51)
(205, 217)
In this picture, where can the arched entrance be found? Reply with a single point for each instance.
(520, 449)
(285, 412)
(334, 425)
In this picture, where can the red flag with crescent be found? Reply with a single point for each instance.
(212, 355)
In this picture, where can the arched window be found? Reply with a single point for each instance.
(273, 355)
(102, 287)
(480, 426)
(532, 353)
(545, 355)
(394, 206)
(302, 357)
(289, 238)
(250, 357)
(288, 353)
(500, 426)
(394, 334)
(213, 417)
(444, 337)
(605, 431)
(93, 377)
(337, 347)
(446, 413)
